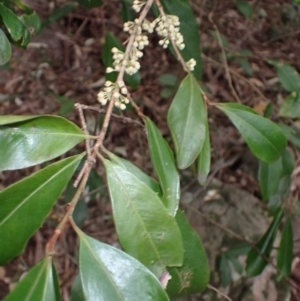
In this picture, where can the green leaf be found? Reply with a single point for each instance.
(146, 230)
(130, 167)
(36, 140)
(127, 12)
(107, 57)
(25, 205)
(110, 274)
(291, 133)
(164, 166)
(224, 40)
(285, 251)
(245, 8)
(224, 269)
(66, 105)
(203, 164)
(264, 138)
(32, 22)
(288, 76)
(291, 106)
(193, 275)
(5, 49)
(15, 26)
(59, 13)
(269, 176)
(187, 121)
(255, 262)
(90, 3)
(245, 65)
(189, 29)
(40, 283)
(8, 119)
(168, 79)
(77, 290)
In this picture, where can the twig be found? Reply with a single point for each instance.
(178, 54)
(218, 292)
(99, 142)
(237, 75)
(224, 59)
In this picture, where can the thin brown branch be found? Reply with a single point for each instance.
(218, 292)
(236, 97)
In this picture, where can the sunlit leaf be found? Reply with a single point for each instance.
(285, 251)
(203, 162)
(189, 29)
(5, 48)
(164, 166)
(35, 140)
(40, 283)
(187, 121)
(26, 204)
(110, 274)
(146, 230)
(255, 262)
(130, 167)
(264, 138)
(193, 275)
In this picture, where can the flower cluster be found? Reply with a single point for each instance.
(191, 64)
(114, 90)
(168, 28)
(138, 4)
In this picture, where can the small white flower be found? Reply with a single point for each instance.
(191, 64)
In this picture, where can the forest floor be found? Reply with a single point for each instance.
(63, 65)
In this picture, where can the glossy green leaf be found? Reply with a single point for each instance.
(189, 29)
(110, 274)
(40, 283)
(203, 164)
(264, 138)
(26, 204)
(291, 106)
(193, 275)
(255, 262)
(288, 76)
(36, 140)
(164, 166)
(146, 230)
(32, 22)
(187, 121)
(5, 48)
(269, 176)
(107, 57)
(285, 251)
(77, 290)
(130, 167)
(90, 3)
(15, 26)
